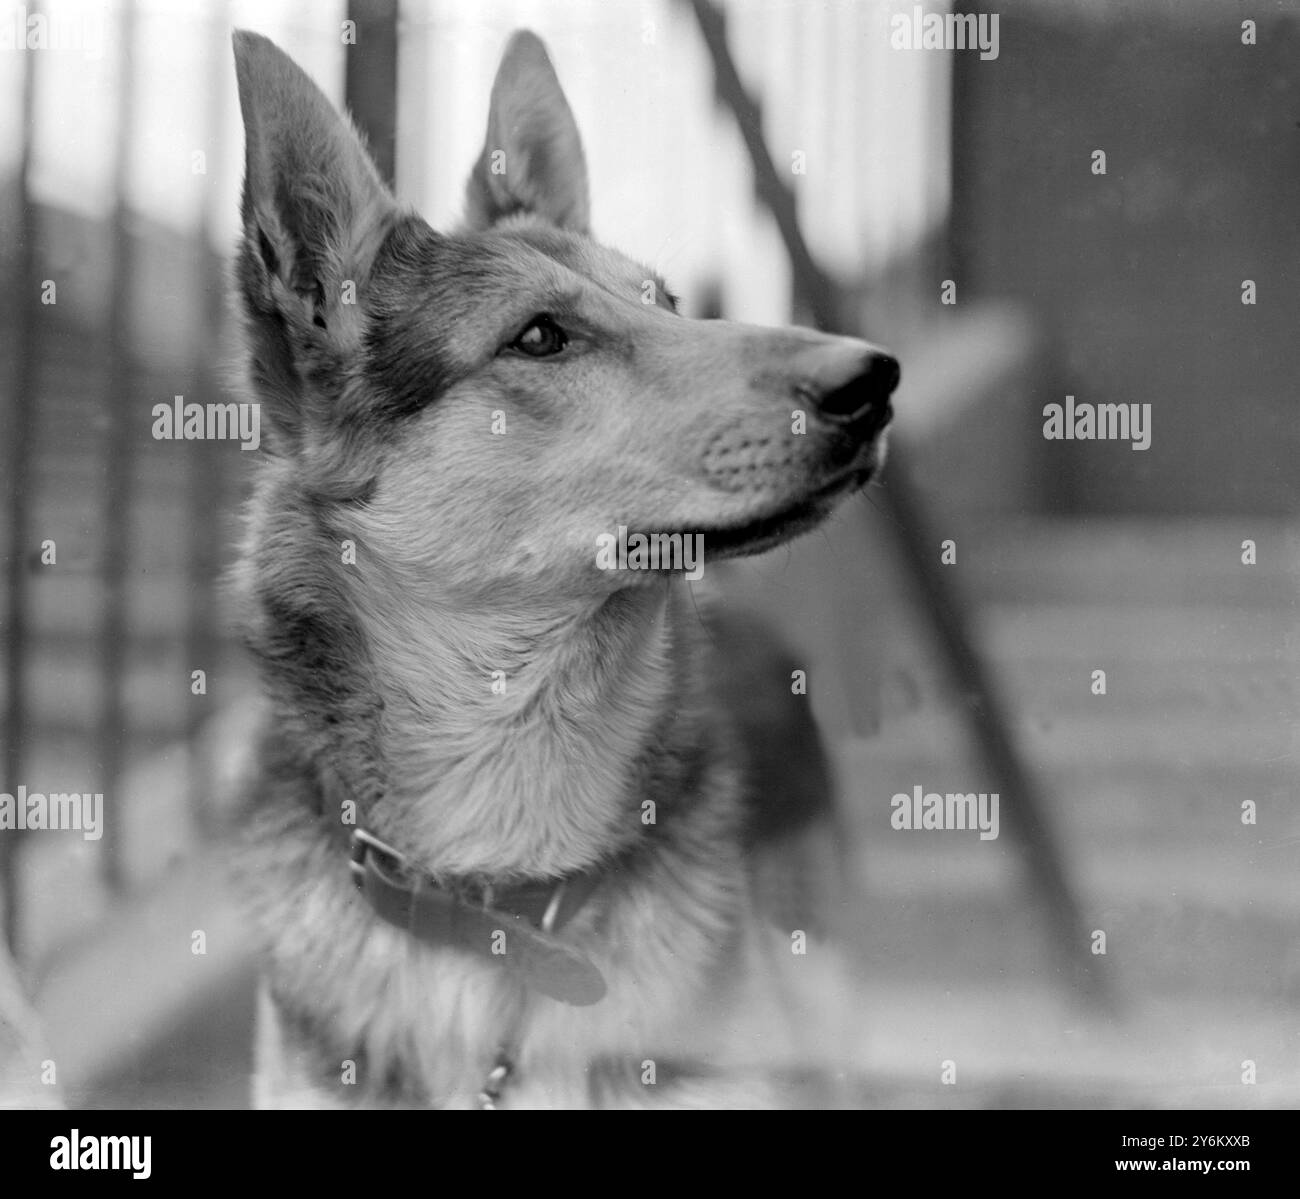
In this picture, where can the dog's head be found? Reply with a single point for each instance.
(483, 405)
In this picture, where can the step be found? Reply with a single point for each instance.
(1102, 636)
(1135, 803)
(1026, 1046)
(932, 917)
(1169, 689)
(1193, 563)
(1106, 739)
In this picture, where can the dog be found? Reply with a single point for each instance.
(509, 807)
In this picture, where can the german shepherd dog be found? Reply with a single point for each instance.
(505, 824)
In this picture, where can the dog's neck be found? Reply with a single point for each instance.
(516, 742)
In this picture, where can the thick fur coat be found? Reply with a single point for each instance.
(455, 419)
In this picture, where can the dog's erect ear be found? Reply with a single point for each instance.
(532, 160)
(314, 211)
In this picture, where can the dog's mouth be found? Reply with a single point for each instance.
(770, 530)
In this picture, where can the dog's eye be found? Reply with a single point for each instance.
(541, 338)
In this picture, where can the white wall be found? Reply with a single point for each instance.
(670, 180)
(184, 101)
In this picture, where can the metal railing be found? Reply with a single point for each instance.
(80, 383)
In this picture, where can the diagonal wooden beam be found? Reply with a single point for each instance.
(941, 606)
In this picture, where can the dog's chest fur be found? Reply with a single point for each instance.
(360, 1013)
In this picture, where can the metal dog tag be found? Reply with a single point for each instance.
(550, 966)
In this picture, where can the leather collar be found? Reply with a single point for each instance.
(515, 927)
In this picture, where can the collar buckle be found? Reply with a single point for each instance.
(364, 843)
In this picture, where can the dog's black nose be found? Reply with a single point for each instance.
(864, 399)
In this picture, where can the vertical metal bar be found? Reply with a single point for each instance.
(964, 168)
(19, 438)
(370, 79)
(205, 482)
(119, 467)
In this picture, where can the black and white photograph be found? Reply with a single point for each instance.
(650, 554)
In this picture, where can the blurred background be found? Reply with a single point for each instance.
(940, 202)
